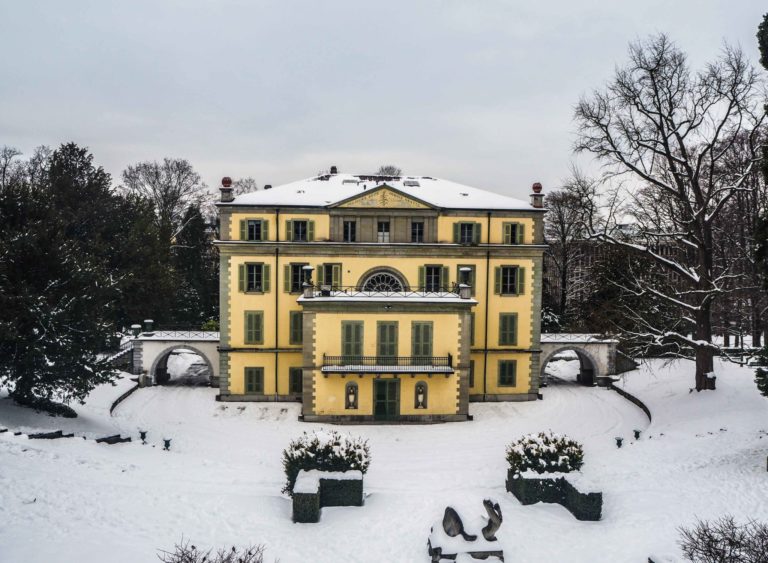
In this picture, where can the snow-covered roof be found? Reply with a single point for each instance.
(573, 338)
(330, 189)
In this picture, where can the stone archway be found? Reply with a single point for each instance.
(159, 369)
(589, 367)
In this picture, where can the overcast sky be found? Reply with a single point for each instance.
(479, 92)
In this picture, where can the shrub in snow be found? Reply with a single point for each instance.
(725, 540)
(761, 378)
(545, 453)
(326, 451)
(184, 552)
(45, 405)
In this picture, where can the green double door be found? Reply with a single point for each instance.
(385, 399)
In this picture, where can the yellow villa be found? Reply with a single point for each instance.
(379, 298)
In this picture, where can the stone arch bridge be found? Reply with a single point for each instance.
(598, 357)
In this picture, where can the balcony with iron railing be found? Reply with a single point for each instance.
(388, 364)
(455, 292)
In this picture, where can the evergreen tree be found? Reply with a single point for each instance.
(57, 291)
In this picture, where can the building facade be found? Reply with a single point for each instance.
(379, 298)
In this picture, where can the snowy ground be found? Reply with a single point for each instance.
(74, 500)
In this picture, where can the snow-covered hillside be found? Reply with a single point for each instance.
(74, 500)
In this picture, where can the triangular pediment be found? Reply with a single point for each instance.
(383, 196)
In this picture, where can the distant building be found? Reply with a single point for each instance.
(379, 297)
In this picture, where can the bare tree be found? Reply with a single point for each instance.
(172, 186)
(565, 234)
(665, 130)
(244, 186)
(8, 164)
(389, 170)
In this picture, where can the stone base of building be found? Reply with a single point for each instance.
(295, 398)
(495, 398)
(403, 419)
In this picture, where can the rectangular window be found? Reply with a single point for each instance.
(435, 278)
(350, 231)
(254, 229)
(471, 373)
(507, 373)
(351, 339)
(513, 233)
(296, 327)
(383, 231)
(509, 280)
(386, 341)
(421, 339)
(507, 329)
(300, 230)
(417, 231)
(329, 275)
(294, 277)
(254, 278)
(466, 233)
(295, 380)
(254, 380)
(254, 327)
(467, 276)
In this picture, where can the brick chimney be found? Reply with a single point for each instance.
(226, 189)
(537, 198)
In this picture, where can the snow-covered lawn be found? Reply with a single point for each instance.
(74, 500)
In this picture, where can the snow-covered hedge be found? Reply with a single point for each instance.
(545, 452)
(326, 451)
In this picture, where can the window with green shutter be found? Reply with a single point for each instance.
(296, 327)
(433, 278)
(254, 327)
(254, 380)
(254, 278)
(254, 229)
(471, 329)
(293, 277)
(295, 380)
(509, 280)
(329, 275)
(300, 230)
(466, 233)
(421, 339)
(513, 233)
(351, 340)
(507, 329)
(507, 373)
(386, 341)
(471, 373)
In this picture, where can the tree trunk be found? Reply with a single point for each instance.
(757, 325)
(704, 354)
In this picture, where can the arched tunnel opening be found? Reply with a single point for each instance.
(569, 366)
(183, 366)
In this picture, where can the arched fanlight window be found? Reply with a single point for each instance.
(350, 395)
(383, 282)
(420, 395)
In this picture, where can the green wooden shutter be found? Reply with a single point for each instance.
(248, 328)
(243, 229)
(287, 278)
(265, 230)
(289, 230)
(444, 278)
(336, 275)
(520, 234)
(254, 327)
(241, 277)
(265, 278)
(508, 329)
(476, 230)
(456, 232)
(427, 337)
(297, 333)
(513, 329)
(520, 280)
(471, 329)
(422, 278)
(310, 231)
(507, 233)
(320, 274)
(416, 339)
(259, 328)
(249, 380)
(497, 280)
(358, 338)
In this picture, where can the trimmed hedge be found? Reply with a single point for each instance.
(545, 452)
(584, 506)
(325, 451)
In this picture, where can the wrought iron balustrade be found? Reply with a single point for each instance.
(451, 292)
(389, 361)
